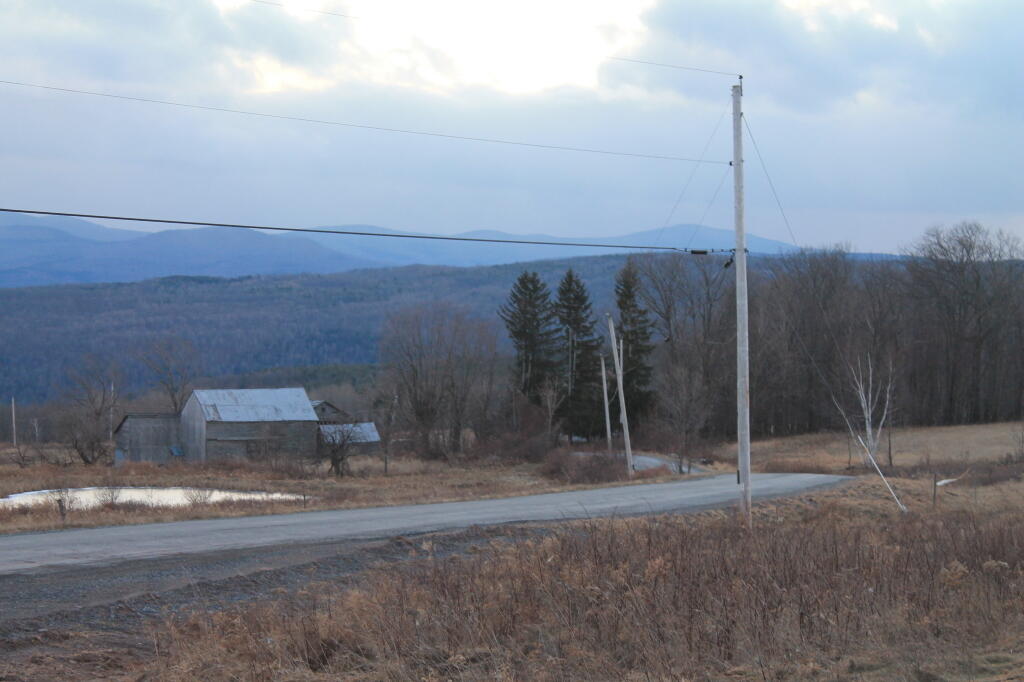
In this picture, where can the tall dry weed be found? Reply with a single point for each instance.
(652, 599)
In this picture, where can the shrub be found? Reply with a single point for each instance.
(583, 467)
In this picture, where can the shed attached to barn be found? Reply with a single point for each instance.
(147, 438)
(361, 437)
(220, 424)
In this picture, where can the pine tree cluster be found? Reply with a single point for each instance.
(559, 345)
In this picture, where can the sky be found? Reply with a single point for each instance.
(876, 120)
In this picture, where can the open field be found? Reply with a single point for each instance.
(911, 446)
(834, 584)
(831, 585)
(409, 481)
(949, 451)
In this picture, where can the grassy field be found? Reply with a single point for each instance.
(835, 585)
(918, 453)
(409, 481)
(948, 446)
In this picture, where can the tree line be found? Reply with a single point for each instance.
(938, 330)
(937, 333)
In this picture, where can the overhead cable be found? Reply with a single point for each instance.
(771, 184)
(676, 66)
(406, 131)
(362, 233)
(689, 179)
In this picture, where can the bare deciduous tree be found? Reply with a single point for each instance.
(552, 394)
(336, 446)
(441, 361)
(91, 404)
(175, 364)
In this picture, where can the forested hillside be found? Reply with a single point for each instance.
(242, 325)
(937, 333)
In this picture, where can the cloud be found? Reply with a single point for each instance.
(866, 111)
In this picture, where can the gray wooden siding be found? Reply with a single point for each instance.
(193, 431)
(147, 438)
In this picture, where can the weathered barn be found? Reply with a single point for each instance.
(147, 438)
(219, 424)
(361, 437)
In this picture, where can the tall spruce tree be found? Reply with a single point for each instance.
(580, 361)
(530, 319)
(635, 328)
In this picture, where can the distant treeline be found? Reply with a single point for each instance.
(240, 326)
(940, 328)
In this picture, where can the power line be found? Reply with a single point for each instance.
(693, 171)
(618, 59)
(676, 66)
(771, 184)
(406, 131)
(707, 209)
(361, 233)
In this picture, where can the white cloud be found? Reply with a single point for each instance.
(445, 46)
(816, 13)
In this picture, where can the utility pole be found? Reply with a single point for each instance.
(742, 321)
(607, 414)
(14, 424)
(622, 396)
(110, 414)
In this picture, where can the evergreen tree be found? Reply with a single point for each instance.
(530, 319)
(580, 362)
(635, 329)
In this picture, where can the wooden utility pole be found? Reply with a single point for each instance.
(742, 321)
(623, 418)
(607, 414)
(14, 424)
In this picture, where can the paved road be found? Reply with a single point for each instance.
(31, 552)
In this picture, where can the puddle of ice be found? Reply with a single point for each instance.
(84, 498)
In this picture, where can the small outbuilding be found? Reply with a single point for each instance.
(361, 437)
(328, 413)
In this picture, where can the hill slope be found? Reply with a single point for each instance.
(37, 255)
(245, 324)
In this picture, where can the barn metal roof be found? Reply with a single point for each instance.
(256, 405)
(365, 432)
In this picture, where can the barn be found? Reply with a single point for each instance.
(219, 424)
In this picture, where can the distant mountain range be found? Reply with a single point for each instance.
(38, 250)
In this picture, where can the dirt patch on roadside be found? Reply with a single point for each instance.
(116, 608)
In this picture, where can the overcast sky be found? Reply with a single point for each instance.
(877, 119)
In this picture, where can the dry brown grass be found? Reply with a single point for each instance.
(833, 452)
(410, 481)
(821, 594)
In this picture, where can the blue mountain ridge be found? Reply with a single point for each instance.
(42, 250)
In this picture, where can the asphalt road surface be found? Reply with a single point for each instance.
(34, 552)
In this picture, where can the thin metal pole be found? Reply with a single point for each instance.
(622, 397)
(607, 414)
(742, 321)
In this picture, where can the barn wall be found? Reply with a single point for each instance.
(226, 440)
(193, 431)
(147, 438)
